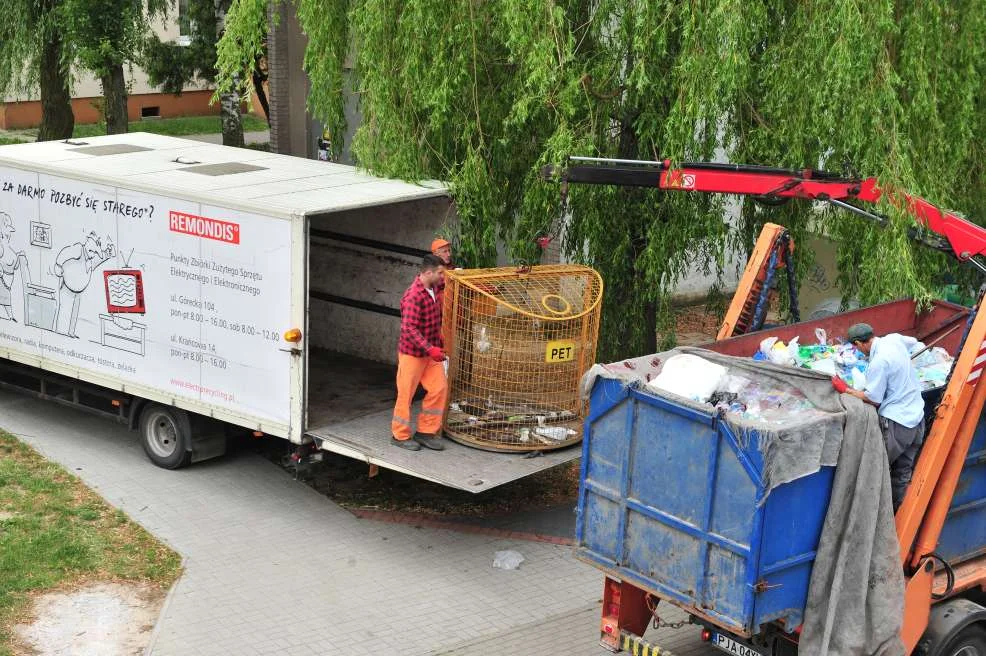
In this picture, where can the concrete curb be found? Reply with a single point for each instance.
(425, 521)
(149, 649)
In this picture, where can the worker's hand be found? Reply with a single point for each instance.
(840, 385)
(436, 354)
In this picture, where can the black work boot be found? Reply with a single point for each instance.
(428, 441)
(410, 445)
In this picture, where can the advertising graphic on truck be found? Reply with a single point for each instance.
(147, 289)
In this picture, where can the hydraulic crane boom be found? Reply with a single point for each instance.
(951, 233)
(922, 514)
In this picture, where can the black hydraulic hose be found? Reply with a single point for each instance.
(760, 310)
(949, 577)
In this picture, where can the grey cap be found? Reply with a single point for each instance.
(860, 332)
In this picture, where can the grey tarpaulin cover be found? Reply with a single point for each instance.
(856, 594)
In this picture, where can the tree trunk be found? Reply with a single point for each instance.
(57, 119)
(650, 320)
(232, 122)
(258, 87)
(115, 100)
(229, 103)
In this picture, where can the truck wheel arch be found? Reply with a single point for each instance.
(136, 407)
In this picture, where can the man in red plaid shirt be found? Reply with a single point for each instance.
(421, 361)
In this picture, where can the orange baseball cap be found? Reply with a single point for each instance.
(439, 243)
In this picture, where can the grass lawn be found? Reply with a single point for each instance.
(175, 127)
(6, 141)
(55, 532)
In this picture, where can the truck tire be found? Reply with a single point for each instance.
(166, 435)
(956, 627)
(971, 642)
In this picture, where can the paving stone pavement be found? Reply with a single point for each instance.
(272, 567)
(577, 633)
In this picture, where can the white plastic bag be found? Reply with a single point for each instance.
(780, 354)
(733, 384)
(689, 376)
(483, 343)
(508, 559)
(767, 344)
(825, 366)
(858, 380)
(821, 336)
(792, 350)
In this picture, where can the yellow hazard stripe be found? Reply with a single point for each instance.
(638, 647)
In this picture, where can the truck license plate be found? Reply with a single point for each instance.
(730, 646)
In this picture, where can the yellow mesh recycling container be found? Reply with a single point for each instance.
(519, 341)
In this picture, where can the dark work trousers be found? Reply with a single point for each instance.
(903, 446)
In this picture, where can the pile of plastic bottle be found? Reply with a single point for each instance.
(730, 390)
(848, 362)
(762, 402)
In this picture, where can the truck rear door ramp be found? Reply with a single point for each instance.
(368, 438)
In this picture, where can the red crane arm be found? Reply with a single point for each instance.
(964, 239)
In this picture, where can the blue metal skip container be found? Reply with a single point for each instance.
(671, 502)
(670, 499)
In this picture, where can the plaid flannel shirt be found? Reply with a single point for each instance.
(421, 321)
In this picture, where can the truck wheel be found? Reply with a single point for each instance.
(166, 435)
(971, 642)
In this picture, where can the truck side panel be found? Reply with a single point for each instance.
(173, 300)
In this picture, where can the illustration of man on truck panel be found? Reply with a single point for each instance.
(9, 261)
(74, 265)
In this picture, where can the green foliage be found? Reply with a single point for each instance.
(175, 127)
(174, 66)
(242, 43)
(109, 32)
(326, 26)
(24, 30)
(482, 94)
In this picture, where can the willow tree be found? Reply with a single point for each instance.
(108, 36)
(483, 93)
(35, 56)
(174, 66)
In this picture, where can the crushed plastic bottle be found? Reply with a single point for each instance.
(508, 559)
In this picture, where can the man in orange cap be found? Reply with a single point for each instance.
(443, 249)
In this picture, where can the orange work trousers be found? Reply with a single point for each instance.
(411, 372)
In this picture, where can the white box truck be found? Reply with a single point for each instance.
(162, 280)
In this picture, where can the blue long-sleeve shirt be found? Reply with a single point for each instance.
(892, 382)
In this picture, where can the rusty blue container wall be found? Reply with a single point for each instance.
(670, 501)
(964, 533)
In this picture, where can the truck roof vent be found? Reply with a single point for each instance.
(224, 168)
(109, 149)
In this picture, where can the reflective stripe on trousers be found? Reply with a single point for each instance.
(411, 372)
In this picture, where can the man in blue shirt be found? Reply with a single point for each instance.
(892, 385)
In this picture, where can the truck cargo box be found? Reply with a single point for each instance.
(141, 269)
